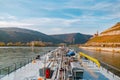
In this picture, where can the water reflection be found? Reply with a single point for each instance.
(11, 55)
(106, 57)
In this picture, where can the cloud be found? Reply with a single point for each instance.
(12, 17)
(2, 18)
(6, 17)
(31, 23)
(13, 24)
(45, 25)
(51, 22)
(93, 5)
(59, 25)
(115, 15)
(56, 29)
(59, 15)
(37, 21)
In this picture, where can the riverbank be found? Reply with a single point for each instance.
(107, 49)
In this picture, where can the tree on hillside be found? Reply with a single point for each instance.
(36, 43)
(2, 44)
(10, 44)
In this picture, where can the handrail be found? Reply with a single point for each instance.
(13, 67)
(90, 58)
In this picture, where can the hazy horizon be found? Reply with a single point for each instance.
(60, 16)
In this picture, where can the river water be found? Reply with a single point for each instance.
(110, 58)
(11, 55)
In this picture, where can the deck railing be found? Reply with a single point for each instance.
(106, 68)
(13, 67)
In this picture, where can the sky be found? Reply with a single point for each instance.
(60, 16)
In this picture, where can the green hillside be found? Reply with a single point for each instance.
(24, 35)
(73, 38)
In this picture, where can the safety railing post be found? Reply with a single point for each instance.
(15, 67)
(8, 69)
(0, 71)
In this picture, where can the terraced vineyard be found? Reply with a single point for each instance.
(109, 37)
(114, 28)
(106, 39)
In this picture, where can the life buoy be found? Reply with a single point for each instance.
(40, 78)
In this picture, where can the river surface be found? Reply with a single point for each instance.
(112, 59)
(11, 55)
